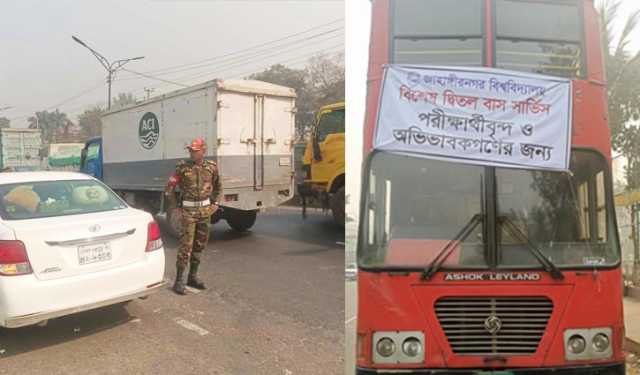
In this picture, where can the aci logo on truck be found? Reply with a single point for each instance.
(149, 130)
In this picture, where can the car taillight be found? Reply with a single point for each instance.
(154, 239)
(13, 259)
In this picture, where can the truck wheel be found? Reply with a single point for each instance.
(337, 207)
(174, 219)
(241, 221)
(219, 214)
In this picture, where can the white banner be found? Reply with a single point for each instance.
(476, 115)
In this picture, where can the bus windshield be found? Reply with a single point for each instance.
(415, 206)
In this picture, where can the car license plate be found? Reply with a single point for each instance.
(94, 253)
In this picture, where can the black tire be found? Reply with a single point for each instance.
(174, 221)
(337, 206)
(241, 221)
(218, 215)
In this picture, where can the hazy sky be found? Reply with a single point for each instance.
(41, 67)
(358, 15)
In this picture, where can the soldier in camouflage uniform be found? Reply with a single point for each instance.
(199, 183)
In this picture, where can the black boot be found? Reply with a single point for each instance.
(178, 286)
(193, 280)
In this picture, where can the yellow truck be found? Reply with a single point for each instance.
(323, 162)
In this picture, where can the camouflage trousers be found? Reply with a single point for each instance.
(196, 223)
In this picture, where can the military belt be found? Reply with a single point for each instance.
(203, 203)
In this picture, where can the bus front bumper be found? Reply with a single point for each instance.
(608, 369)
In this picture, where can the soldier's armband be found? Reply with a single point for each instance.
(174, 180)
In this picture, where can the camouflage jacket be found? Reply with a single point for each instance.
(196, 183)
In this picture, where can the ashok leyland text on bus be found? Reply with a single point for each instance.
(487, 239)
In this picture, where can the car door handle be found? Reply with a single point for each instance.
(82, 241)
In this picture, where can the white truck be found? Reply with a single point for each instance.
(20, 149)
(247, 125)
(63, 157)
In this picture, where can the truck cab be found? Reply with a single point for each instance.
(91, 158)
(323, 161)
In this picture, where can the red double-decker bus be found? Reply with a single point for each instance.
(531, 282)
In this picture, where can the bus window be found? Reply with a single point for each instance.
(438, 32)
(539, 37)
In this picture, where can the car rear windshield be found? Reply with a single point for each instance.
(31, 200)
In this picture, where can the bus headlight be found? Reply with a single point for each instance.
(386, 347)
(600, 342)
(412, 347)
(577, 344)
(393, 347)
(588, 343)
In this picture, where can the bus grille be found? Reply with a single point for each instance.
(494, 325)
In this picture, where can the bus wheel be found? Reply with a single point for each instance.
(241, 221)
(337, 206)
(174, 219)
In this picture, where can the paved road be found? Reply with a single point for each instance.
(275, 306)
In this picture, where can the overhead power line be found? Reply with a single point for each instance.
(304, 57)
(244, 62)
(246, 49)
(156, 78)
(65, 101)
(246, 55)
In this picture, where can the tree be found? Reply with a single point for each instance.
(5, 123)
(326, 79)
(90, 122)
(49, 123)
(123, 100)
(296, 79)
(623, 89)
(320, 83)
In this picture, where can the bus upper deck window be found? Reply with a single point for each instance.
(437, 32)
(539, 37)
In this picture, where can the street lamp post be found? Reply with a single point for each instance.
(111, 67)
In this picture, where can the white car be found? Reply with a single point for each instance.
(69, 244)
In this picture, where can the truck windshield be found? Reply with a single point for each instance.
(415, 206)
(331, 122)
(93, 151)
